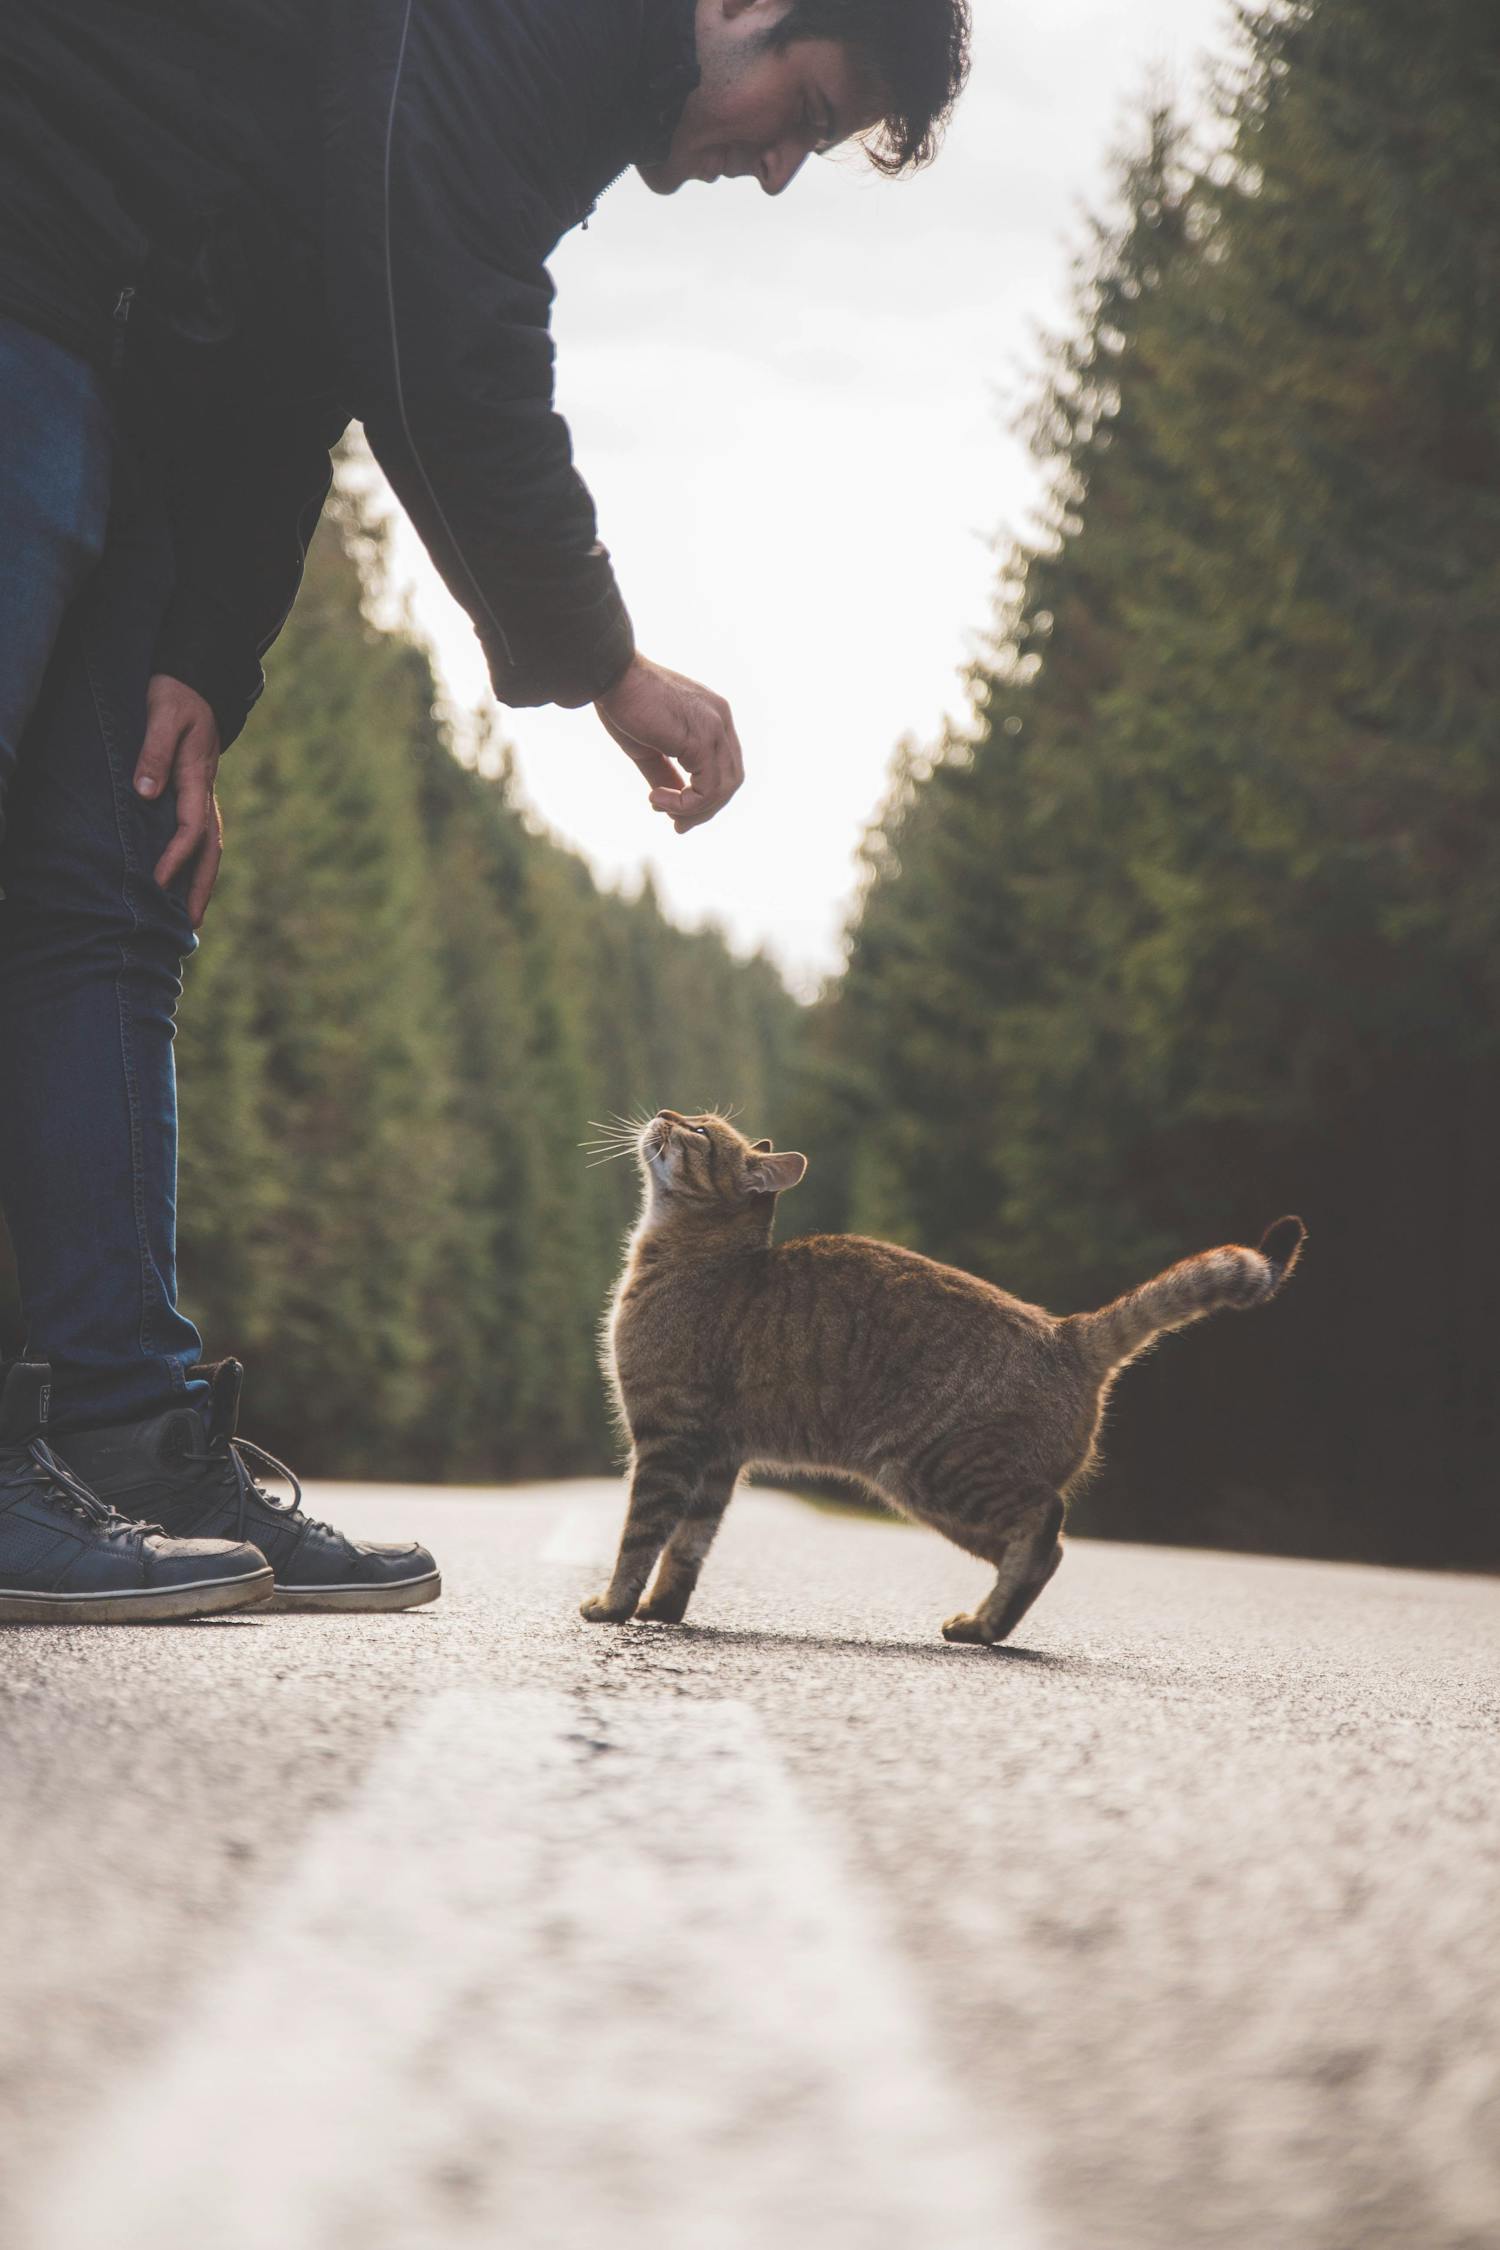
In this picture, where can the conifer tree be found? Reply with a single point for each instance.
(408, 1006)
(1201, 920)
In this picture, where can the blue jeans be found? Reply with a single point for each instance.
(90, 948)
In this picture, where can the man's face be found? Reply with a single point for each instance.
(756, 112)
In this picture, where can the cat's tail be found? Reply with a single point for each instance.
(1216, 1280)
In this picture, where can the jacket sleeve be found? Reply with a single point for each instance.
(244, 503)
(443, 203)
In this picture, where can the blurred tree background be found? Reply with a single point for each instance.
(1198, 921)
(406, 1009)
(1194, 922)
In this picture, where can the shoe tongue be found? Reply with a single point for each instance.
(226, 1381)
(24, 1400)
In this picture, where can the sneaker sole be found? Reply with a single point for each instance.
(403, 1593)
(146, 1605)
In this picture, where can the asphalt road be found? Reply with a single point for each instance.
(1176, 1924)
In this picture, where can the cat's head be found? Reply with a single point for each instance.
(703, 1165)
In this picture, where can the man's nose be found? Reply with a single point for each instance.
(779, 166)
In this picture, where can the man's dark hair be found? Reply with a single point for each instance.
(916, 55)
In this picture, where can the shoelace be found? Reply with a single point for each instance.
(239, 1452)
(60, 1484)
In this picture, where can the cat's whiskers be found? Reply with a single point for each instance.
(620, 1137)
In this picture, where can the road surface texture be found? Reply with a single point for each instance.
(1177, 1924)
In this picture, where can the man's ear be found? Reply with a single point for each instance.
(771, 1175)
(761, 1148)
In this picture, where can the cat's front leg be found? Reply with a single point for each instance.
(599, 1610)
(688, 1547)
(666, 1475)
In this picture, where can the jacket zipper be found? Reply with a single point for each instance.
(583, 226)
(121, 319)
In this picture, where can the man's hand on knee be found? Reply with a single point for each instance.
(681, 736)
(181, 751)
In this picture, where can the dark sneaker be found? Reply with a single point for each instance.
(193, 1474)
(66, 1558)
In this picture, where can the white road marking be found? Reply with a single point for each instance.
(563, 1973)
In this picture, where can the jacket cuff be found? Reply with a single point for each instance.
(570, 658)
(228, 683)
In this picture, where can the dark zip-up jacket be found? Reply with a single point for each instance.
(270, 217)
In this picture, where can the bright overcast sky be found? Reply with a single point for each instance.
(794, 417)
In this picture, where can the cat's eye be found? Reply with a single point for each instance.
(703, 1129)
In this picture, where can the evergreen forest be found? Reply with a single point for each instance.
(405, 1010)
(1195, 920)
(1199, 920)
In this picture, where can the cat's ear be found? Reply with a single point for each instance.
(771, 1175)
(760, 1148)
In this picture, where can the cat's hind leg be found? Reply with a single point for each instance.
(1021, 1534)
(667, 1474)
(686, 1550)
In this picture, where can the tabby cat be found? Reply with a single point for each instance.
(956, 1403)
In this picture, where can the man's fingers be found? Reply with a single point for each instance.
(657, 768)
(206, 873)
(195, 807)
(733, 761)
(715, 768)
(689, 802)
(688, 808)
(165, 728)
(196, 833)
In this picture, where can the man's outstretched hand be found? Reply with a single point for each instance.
(673, 729)
(181, 751)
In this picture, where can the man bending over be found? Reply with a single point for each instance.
(228, 228)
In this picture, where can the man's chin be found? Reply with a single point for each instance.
(661, 179)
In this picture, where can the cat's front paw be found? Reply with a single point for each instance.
(966, 1627)
(663, 1609)
(599, 1611)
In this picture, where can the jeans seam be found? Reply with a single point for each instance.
(150, 1299)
